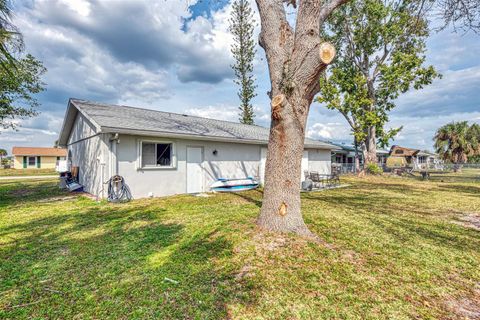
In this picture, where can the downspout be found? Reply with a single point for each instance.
(114, 140)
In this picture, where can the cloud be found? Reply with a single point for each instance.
(328, 131)
(148, 33)
(222, 112)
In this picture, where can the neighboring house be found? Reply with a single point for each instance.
(346, 155)
(161, 153)
(34, 157)
(418, 160)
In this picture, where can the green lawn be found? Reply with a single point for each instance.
(26, 172)
(397, 250)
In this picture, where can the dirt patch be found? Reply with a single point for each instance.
(466, 307)
(470, 221)
(58, 199)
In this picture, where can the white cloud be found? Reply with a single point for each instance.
(329, 131)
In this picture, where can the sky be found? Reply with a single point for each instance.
(174, 55)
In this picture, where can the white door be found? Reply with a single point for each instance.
(194, 169)
(263, 160)
(304, 164)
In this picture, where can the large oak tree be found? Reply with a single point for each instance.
(296, 56)
(381, 46)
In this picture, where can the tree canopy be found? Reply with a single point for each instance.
(20, 77)
(243, 50)
(457, 141)
(381, 54)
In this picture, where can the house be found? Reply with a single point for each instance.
(414, 158)
(346, 156)
(35, 157)
(162, 153)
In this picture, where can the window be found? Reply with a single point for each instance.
(398, 151)
(157, 155)
(32, 161)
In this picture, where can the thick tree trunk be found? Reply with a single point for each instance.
(296, 58)
(281, 210)
(371, 146)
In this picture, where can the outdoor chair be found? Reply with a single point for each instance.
(317, 179)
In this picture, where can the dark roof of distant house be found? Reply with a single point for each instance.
(36, 151)
(403, 151)
(109, 118)
(350, 148)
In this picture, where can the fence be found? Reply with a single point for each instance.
(345, 168)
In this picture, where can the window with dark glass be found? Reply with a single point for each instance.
(32, 161)
(156, 154)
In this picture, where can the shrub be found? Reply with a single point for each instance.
(373, 168)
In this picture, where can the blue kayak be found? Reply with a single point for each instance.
(234, 185)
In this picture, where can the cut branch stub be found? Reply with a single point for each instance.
(282, 210)
(326, 52)
(277, 103)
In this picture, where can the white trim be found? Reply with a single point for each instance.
(173, 157)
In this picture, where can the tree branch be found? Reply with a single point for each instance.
(277, 45)
(328, 8)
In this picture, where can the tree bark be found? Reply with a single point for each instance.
(371, 146)
(281, 210)
(296, 59)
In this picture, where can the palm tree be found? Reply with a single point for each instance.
(455, 142)
(10, 39)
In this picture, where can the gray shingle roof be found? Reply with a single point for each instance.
(124, 119)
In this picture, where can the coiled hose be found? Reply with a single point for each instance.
(118, 191)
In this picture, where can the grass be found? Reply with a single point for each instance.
(26, 172)
(395, 252)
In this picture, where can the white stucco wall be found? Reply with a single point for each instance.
(98, 159)
(89, 151)
(231, 161)
(319, 160)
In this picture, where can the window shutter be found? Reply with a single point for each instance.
(38, 162)
(24, 162)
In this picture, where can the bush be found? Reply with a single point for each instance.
(373, 168)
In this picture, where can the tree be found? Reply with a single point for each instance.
(461, 14)
(456, 141)
(17, 89)
(243, 50)
(10, 39)
(381, 55)
(3, 153)
(296, 57)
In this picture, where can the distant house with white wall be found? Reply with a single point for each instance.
(162, 153)
(37, 158)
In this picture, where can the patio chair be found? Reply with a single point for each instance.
(317, 179)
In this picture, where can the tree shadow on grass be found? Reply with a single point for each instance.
(439, 234)
(469, 190)
(253, 196)
(21, 192)
(113, 262)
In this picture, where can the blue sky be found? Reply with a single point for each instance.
(175, 56)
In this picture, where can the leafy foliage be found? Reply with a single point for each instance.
(243, 50)
(10, 39)
(381, 54)
(373, 168)
(457, 141)
(17, 89)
